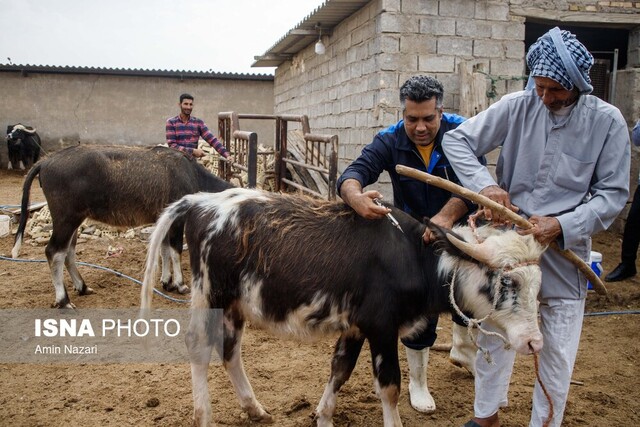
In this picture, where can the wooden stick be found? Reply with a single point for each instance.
(498, 208)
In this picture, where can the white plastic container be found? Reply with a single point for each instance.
(595, 260)
(5, 228)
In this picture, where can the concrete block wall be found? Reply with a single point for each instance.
(68, 109)
(352, 90)
(345, 92)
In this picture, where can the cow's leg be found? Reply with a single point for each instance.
(57, 251)
(233, 328)
(175, 251)
(21, 165)
(344, 360)
(70, 263)
(170, 252)
(386, 370)
(14, 158)
(199, 347)
(178, 282)
(166, 278)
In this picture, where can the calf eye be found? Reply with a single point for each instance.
(509, 291)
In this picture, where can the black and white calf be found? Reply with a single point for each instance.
(301, 267)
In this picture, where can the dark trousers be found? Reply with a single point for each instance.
(427, 337)
(631, 236)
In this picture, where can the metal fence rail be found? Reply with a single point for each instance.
(314, 158)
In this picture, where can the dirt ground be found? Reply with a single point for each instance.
(288, 377)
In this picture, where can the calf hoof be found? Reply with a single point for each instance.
(169, 287)
(319, 421)
(200, 419)
(85, 290)
(63, 304)
(260, 415)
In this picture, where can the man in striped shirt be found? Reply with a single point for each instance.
(184, 131)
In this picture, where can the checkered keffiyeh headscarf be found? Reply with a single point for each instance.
(558, 55)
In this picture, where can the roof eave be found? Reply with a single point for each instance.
(321, 21)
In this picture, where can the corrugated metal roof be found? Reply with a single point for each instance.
(328, 15)
(181, 74)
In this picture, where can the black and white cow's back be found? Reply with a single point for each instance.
(302, 267)
(282, 278)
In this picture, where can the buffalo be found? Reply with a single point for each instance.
(119, 186)
(23, 145)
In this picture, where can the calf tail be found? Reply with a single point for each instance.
(172, 213)
(24, 208)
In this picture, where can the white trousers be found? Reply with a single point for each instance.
(560, 324)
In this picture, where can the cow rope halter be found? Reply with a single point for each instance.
(473, 323)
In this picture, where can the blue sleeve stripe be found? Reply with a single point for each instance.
(392, 128)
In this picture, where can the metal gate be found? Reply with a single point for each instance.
(301, 160)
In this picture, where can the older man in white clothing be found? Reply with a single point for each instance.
(563, 164)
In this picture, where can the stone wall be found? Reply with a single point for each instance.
(67, 108)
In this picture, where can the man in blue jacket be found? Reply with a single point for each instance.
(414, 141)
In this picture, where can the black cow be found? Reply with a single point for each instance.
(120, 186)
(23, 144)
(302, 267)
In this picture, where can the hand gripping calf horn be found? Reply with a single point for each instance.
(513, 217)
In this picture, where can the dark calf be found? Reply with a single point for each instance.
(119, 186)
(23, 145)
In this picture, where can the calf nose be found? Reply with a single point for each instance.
(535, 344)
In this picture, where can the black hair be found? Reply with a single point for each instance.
(421, 88)
(185, 96)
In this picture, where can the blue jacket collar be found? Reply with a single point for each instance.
(404, 143)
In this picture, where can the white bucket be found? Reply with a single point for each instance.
(5, 229)
(595, 260)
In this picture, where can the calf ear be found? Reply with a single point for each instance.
(440, 232)
(443, 244)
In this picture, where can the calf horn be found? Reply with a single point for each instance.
(515, 218)
(474, 250)
(24, 128)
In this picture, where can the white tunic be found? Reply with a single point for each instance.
(576, 170)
